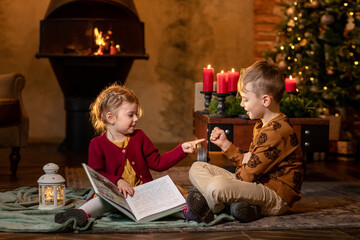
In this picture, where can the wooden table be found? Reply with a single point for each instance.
(312, 132)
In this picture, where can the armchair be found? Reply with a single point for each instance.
(14, 121)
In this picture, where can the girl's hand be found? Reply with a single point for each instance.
(125, 188)
(218, 137)
(189, 147)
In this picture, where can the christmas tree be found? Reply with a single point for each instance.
(319, 45)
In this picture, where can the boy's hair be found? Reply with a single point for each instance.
(265, 77)
(109, 100)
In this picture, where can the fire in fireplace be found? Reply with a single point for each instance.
(90, 44)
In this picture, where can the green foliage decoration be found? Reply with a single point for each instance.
(232, 106)
(292, 105)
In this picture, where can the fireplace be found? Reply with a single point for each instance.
(90, 44)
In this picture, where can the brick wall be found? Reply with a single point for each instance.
(267, 16)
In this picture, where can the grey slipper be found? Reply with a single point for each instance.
(245, 212)
(197, 205)
(78, 214)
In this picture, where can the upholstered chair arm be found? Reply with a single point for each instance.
(11, 85)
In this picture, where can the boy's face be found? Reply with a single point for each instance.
(252, 104)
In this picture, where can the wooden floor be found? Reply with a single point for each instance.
(37, 155)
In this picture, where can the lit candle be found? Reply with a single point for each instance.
(208, 78)
(290, 84)
(222, 85)
(233, 78)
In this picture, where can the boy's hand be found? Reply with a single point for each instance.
(189, 147)
(125, 188)
(246, 158)
(218, 137)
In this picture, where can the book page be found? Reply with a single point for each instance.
(159, 195)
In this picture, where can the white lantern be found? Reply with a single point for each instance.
(51, 188)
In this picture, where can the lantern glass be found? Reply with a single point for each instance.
(60, 194)
(49, 195)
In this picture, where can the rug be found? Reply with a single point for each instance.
(324, 205)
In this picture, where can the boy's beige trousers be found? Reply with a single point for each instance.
(220, 187)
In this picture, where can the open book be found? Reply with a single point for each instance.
(151, 201)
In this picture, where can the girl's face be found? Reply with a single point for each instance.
(251, 103)
(124, 118)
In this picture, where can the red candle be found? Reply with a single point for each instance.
(290, 84)
(233, 78)
(222, 84)
(208, 79)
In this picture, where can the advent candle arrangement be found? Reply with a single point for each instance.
(222, 84)
(208, 78)
(233, 78)
(226, 83)
(290, 84)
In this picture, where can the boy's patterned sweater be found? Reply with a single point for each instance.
(276, 159)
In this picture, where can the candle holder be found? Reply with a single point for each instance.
(207, 96)
(220, 106)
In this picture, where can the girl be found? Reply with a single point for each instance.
(122, 153)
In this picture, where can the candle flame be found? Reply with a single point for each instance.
(209, 66)
(233, 70)
(222, 71)
(290, 77)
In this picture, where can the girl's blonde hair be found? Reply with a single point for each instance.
(109, 100)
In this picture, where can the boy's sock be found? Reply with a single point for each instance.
(245, 212)
(79, 214)
(197, 210)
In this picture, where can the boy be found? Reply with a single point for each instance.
(268, 178)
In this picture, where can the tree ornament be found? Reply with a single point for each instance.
(290, 11)
(282, 65)
(350, 25)
(303, 42)
(291, 23)
(315, 4)
(330, 71)
(327, 19)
